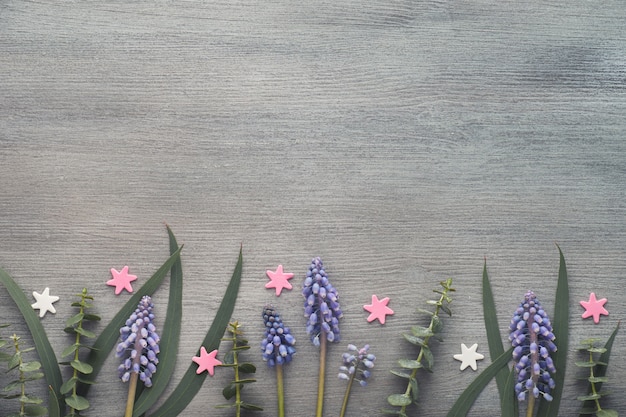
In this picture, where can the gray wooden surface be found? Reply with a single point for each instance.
(402, 140)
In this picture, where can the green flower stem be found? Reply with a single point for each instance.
(322, 375)
(132, 390)
(346, 396)
(280, 387)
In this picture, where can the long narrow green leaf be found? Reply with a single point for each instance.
(191, 382)
(170, 336)
(600, 370)
(494, 341)
(54, 406)
(465, 401)
(560, 325)
(109, 336)
(42, 344)
(509, 405)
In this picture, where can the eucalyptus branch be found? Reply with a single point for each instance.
(232, 360)
(596, 377)
(420, 336)
(26, 371)
(74, 325)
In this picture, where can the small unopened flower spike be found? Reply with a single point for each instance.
(139, 348)
(322, 310)
(533, 341)
(357, 365)
(278, 349)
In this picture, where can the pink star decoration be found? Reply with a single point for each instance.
(206, 361)
(121, 280)
(594, 307)
(378, 309)
(279, 279)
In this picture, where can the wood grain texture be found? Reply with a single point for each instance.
(403, 141)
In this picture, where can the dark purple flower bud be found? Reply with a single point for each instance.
(532, 337)
(277, 345)
(321, 306)
(139, 344)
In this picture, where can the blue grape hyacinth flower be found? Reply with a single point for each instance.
(533, 341)
(278, 344)
(321, 304)
(139, 344)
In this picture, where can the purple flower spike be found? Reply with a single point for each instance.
(357, 364)
(533, 340)
(278, 344)
(139, 344)
(321, 305)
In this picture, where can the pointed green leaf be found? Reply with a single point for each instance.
(429, 359)
(74, 319)
(413, 339)
(249, 406)
(35, 410)
(68, 385)
(421, 332)
(600, 370)
(509, 405)
(465, 401)
(30, 399)
(69, 350)
(14, 362)
(585, 364)
(607, 413)
(414, 389)
(247, 368)
(494, 339)
(229, 391)
(33, 376)
(170, 336)
(229, 358)
(401, 374)
(12, 385)
(92, 317)
(77, 402)
(409, 364)
(111, 333)
(55, 407)
(437, 324)
(85, 332)
(191, 382)
(399, 400)
(560, 324)
(42, 343)
(82, 367)
(589, 397)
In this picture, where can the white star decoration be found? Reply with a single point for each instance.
(468, 357)
(44, 302)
